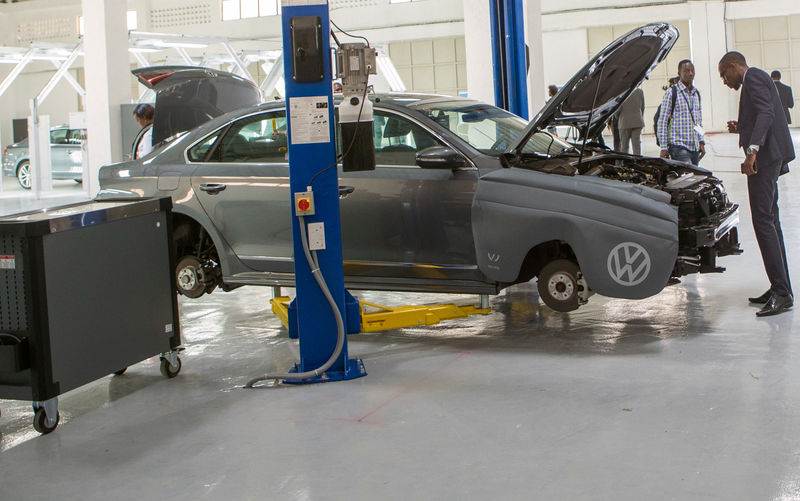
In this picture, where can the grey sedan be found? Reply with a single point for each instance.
(65, 154)
(466, 197)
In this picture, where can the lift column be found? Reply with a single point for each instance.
(313, 178)
(509, 55)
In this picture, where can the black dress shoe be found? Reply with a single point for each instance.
(776, 304)
(762, 299)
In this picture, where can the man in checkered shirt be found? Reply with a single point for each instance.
(680, 133)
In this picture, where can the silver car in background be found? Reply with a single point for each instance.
(65, 155)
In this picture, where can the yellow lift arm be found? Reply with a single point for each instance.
(384, 318)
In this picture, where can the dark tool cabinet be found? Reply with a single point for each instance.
(85, 291)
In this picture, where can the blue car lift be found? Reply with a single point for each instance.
(313, 178)
(509, 56)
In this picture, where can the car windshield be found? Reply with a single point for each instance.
(488, 129)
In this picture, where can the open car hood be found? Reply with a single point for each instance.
(187, 96)
(606, 80)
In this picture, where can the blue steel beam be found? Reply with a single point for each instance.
(509, 58)
(312, 156)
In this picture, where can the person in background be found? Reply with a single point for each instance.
(764, 134)
(680, 127)
(143, 114)
(630, 120)
(613, 124)
(785, 93)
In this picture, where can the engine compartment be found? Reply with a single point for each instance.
(706, 226)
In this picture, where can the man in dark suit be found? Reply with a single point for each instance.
(785, 93)
(764, 134)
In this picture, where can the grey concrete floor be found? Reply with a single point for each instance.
(685, 395)
(14, 199)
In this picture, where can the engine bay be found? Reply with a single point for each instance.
(703, 206)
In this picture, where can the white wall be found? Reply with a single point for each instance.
(565, 52)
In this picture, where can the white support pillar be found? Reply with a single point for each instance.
(107, 82)
(533, 37)
(707, 31)
(39, 169)
(478, 46)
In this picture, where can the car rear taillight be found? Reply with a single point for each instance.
(154, 78)
(5, 151)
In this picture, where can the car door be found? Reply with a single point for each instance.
(60, 159)
(404, 221)
(242, 183)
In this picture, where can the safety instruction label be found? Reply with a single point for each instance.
(309, 119)
(8, 262)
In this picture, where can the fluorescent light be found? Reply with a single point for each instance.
(142, 49)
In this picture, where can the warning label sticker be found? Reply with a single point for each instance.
(7, 262)
(308, 117)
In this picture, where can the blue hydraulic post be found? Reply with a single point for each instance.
(509, 57)
(312, 163)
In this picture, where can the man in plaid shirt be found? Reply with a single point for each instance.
(680, 133)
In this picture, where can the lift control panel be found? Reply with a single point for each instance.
(304, 203)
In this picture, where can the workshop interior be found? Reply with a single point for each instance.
(399, 249)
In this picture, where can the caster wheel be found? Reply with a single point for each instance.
(120, 372)
(168, 370)
(40, 422)
(558, 285)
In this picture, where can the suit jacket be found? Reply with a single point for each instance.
(762, 121)
(631, 113)
(787, 100)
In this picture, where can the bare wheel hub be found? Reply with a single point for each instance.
(560, 286)
(188, 277)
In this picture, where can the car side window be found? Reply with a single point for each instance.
(199, 152)
(58, 136)
(257, 139)
(398, 139)
(76, 136)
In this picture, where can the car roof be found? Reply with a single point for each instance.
(409, 101)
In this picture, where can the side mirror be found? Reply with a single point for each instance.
(440, 157)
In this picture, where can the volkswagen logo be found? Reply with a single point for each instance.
(628, 264)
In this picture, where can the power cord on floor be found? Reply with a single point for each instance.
(340, 334)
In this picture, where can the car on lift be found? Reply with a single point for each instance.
(66, 156)
(466, 197)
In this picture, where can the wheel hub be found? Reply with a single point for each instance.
(187, 278)
(560, 286)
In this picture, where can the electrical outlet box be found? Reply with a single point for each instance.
(316, 236)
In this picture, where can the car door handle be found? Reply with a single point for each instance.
(344, 191)
(213, 188)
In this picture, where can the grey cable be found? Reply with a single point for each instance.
(314, 265)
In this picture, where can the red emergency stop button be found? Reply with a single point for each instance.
(303, 204)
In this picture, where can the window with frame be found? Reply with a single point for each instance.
(58, 136)
(398, 139)
(245, 9)
(257, 139)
